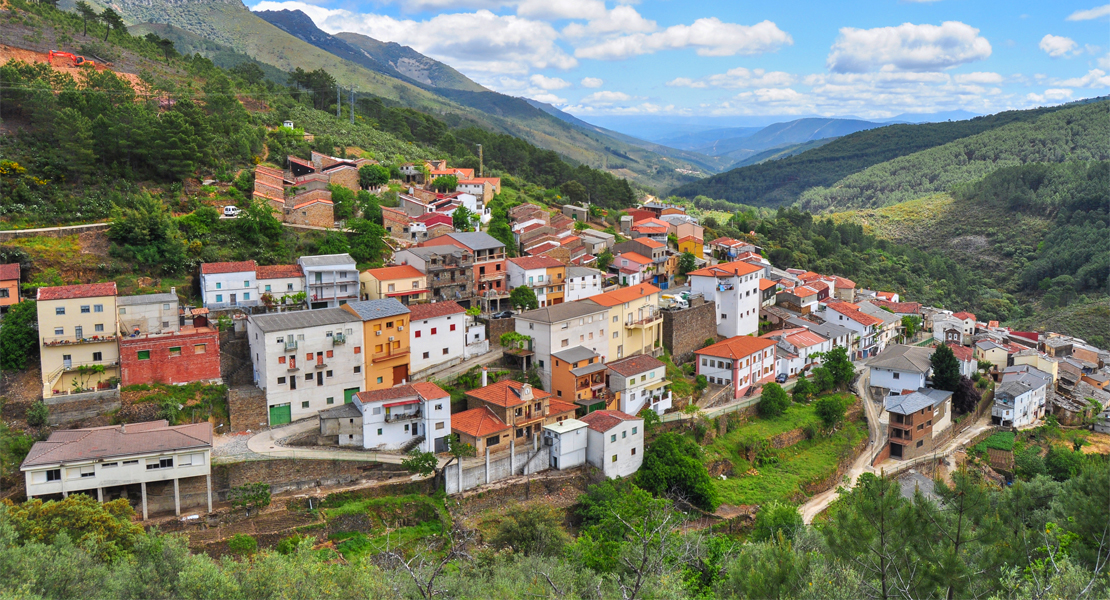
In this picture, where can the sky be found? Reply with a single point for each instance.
(864, 58)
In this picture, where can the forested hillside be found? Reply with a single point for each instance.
(1074, 133)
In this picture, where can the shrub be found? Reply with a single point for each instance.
(774, 518)
(830, 409)
(289, 544)
(1028, 464)
(1063, 464)
(774, 401)
(700, 383)
(673, 464)
(533, 531)
(242, 544)
(38, 414)
(250, 496)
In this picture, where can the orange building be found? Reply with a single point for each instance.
(9, 285)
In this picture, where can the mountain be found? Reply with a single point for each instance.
(222, 56)
(779, 182)
(409, 63)
(780, 152)
(699, 139)
(659, 128)
(937, 117)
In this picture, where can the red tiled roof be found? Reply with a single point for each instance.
(688, 237)
(650, 243)
(623, 295)
(726, 241)
(228, 267)
(853, 312)
(802, 291)
(426, 391)
(541, 248)
(418, 312)
(570, 239)
(400, 272)
(904, 308)
(766, 284)
(558, 407)
(278, 271)
(810, 276)
(737, 347)
(67, 292)
(311, 202)
(818, 285)
(604, 420)
(73, 445)
(505, 393)
(963, 316)
(396, 211)
(844, 283)
(885, 295)
(636, 257)
(963, 353)
(634, 365)
(9, 271)
(535, 262)
(477, 422)
(430, 391)
(805, 338)
(732, 269)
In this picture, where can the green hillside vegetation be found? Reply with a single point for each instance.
(1074, 133)
(185, 42)
(780, 182)
(781, 152)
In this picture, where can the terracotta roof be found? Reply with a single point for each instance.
(425, 391)
(72, 445)
(737, 347)
(505, 393)
(818, 285)
(623, 295)
(652, 223)
(604, 420)
(278, 271)
(228, 267)
(418, 312)
(766, 284)
(634, 365)
(9, 271)
(311, 202)
(430, 391)
(732, 269)
(842, 282)
(437, 217)
(810, 276)
(557, 407)
(726, 241)
(650, 243)
(963, 353)
(885, 295)
(905, 308)
(400, 272)
(570, 239)
(805, 338)
(477, 422)
(853, 312)
(963, 316)
(636, 257)
(688, 237)
(66, 292)
(801, 291)
(535, 262)
(398, 212)
(544, 247)
(531, 227)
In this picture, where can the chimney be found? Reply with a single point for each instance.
(485, 376)
(173, 290)
(123, 428)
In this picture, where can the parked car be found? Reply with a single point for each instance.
(232, 211)
(780, 378)
(505, 314)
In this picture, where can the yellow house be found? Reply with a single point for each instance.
(558, 278)
(405, 283)
(78, 339)
(692, 245)
(1038, 360)
(988, 350)
(385, 330)
(635, 322)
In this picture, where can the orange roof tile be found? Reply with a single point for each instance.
(9, 271)
(228, 267)
(477, 422)
(737, 347)
(68, 292)
(963, 316)
(278, 271)
(766, 284)
(650, 243)
(963, 353)
(535, 262)
(505, 393)
(418, 312)
(398, 272)
(604, 420)
(558, 407)
(311, 202)
(853, 312)
(636, 257)
(623, 295)
(732, 269)
(805, 338)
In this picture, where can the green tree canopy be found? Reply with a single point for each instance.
(372, 176)
(445, 183)
(774, 401)
(687, 262)
(673, 465)
(18, 336)
(946, 369)
(523, 298)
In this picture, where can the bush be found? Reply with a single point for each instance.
(774, 518)
(673, 465)
(242, 544)
(38, 414)
(289, 544)
(533, 531)
(830, 409)
(700, 383)
(1028, 464)
(774, 401)
(250, 496)
(1063, 464)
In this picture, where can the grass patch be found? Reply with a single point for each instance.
(680, 385)
(191, 402)
(1002, 440)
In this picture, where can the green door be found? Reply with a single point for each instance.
(280, 415)
(348, 394)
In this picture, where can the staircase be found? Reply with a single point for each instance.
(409, 445)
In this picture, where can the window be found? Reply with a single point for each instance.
(99, 327)
(267, 289)
(433, 331)
(724, 315)
(358, 349)
(634, 431)
(633, 452)
(304, 404)
(289, 287)
(417, 333)
(615, 335)
(219, 297)
(897, 375)
(614, 458)
(624, 435)
(358, 369)
(246, 284)
(190, 460)
(175, 351)
(920, 442)
(445, 351)
(98, 356)
(144, 354)
(161, 463)
(452, 327)
(246, 295)
(86, 309)
(54, 475)
(439, 425)
(4, 293)
(615, 317)
(309, 376)
(281, 380)
(331, 400)
(389, 325)
(425, 355)
(200, 348)
(613, 438)
(59, 331)
(130, 462)
(109, 465)
(60, 310)
(379, 431)
(219, 286)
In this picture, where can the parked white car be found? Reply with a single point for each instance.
(232, 211)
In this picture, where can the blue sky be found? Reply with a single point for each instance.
(868, 58)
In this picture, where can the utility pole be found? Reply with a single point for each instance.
(481, 162)
(338, 99)
(351, 105)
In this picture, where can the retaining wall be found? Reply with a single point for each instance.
(685, 331)
(495, 468)
(247, 407)
(286, 475)
(75, 407)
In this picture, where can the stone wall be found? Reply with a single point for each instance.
(685, 331)
(247, 405)
(317, 214)
(524, 462)
(285, 475)
(496, 327)
(75, 407)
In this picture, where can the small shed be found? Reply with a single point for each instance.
(567, 440)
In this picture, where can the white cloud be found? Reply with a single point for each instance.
(710, 37)
(471, 42)
(978, 77)
(1050, 95)
(737, 78)
(622, 19)
(1095, 78)
(592, 82)
(644, 108)
(1057, 46)
(907, 47)
(1104, 61)
(605, 98)
(1090, 13)
(561, 9)
(549, 83)
(548, 98)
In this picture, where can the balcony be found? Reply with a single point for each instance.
(339, 339)
(68, 340)
(320, 365)
(290, 345)
(492, 277)
(405, 416)
(70, 367)
(645, 322)
(389, 353)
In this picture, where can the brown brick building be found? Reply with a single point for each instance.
(188, 355)
(917, 420)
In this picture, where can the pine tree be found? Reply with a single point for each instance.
(946, 369)
(75, 143)
(88, 13)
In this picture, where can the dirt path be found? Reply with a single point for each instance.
(64, 65)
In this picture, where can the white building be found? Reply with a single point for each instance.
(640, 380)
(866, 327)
(555, 328)
(121, 461)
(891, 326)
(839, 337)
(796, 350)
(533, 272)
(438, 336)
(740, 362)
(331, 280)
(405, 417)
(148, 313)
(280, 281)
(229, 284)
(568, 440)
(901, 367)
(1020, 401)
(734, 290)
(476, 342)
(615, 442)
(306, 361)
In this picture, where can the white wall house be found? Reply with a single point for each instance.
(438, 336)
(866, 327)
(839, 337)
(331, 280)
(567, 440)
(901, 367)
(615, 442)
(404, 417)
(1019, 401)
(640, 380)
(532, 272)
(306, 361)
(556, 328)
(583, 282)
(280, 281)
(476, 342)
(734, 290)
(229, 284)
(739, 362)
(796, 350)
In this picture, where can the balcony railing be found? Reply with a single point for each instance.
(67, 340)
(405, 416)
(492, 276)
(644, 322)
(389, 353)
(290, 345)
(339, 339)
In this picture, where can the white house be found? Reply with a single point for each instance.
(438, 336)
(555, 328)
(567, 440)
(901, 367)
(279, 281)
(122, 461)
(306, 361)
(476, 342)
(966, 357)
(796, 349)
(405, 417)
(583, 282)
(1019, 401)
(331, 280)
(532, 272)
(640, 380)
(229, 284)
(891, 326)
(615, 442)
(866, 327)
(839, 337)
(741, 362)
(734, 289)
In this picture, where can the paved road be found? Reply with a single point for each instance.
(266, 444)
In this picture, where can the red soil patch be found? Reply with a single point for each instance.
(63, 65)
